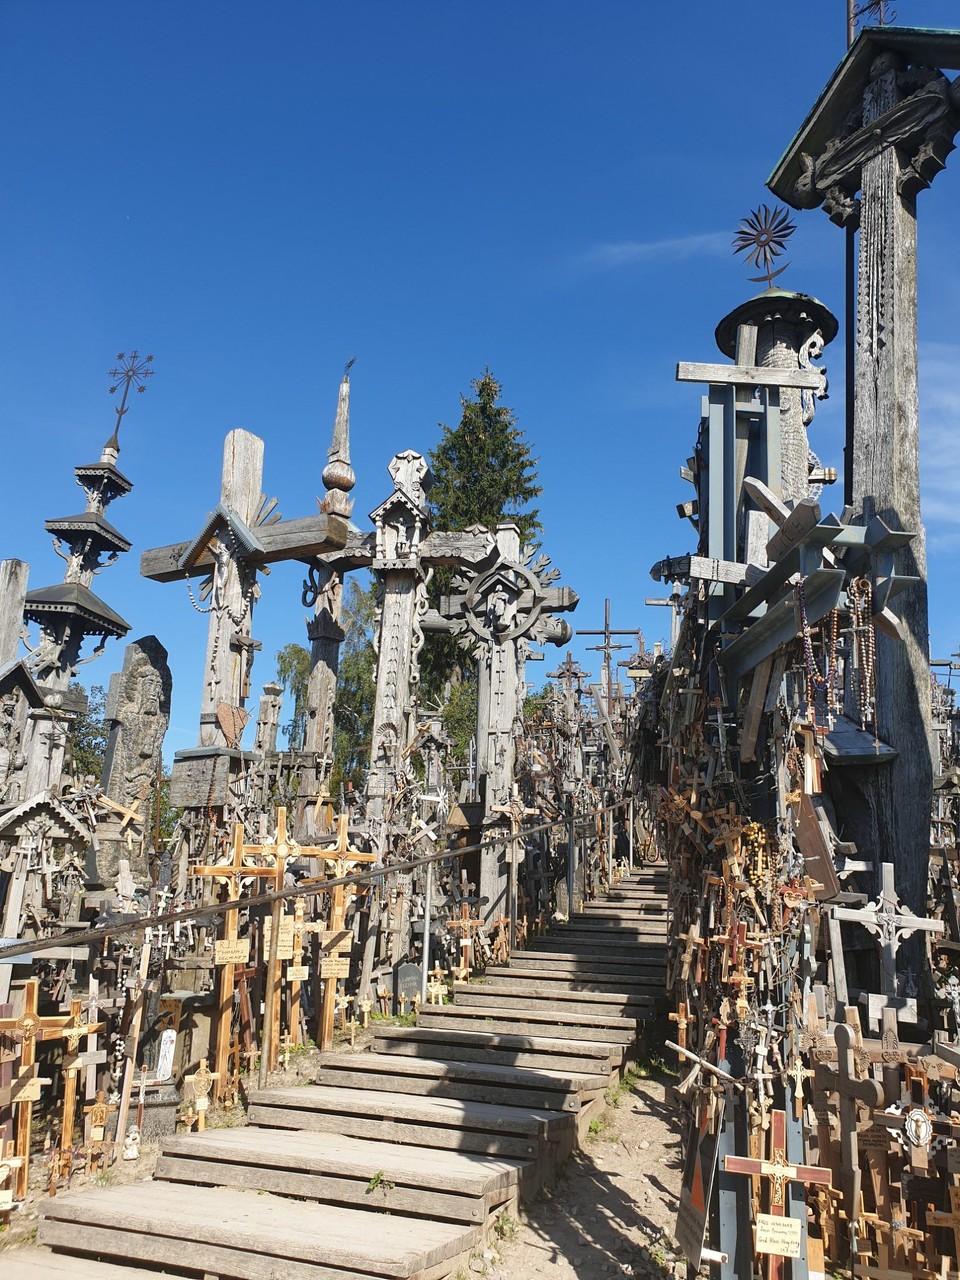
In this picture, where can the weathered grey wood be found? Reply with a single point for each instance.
(295, 539)
(688, 371)
(650, 969)
(581, 979)
(376, 1065)
(456, 1172)
(13, 590)
(505, 1057)
(510, 1043)
(534, 1121)
(557, 1001)
(42, 1264)
(536, 1095)
(267, 1225)
(463, 1017)
(315, 1186)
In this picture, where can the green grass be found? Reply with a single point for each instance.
(381, 1181)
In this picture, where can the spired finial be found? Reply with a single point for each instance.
(131, 370)
(338, 475)
(764, 234)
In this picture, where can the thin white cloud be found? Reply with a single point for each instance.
(628, 253)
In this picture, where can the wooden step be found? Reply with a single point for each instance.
(612, 1030)
(577, 979)
(587, 943)
(248, 1235)
(517, 1051)
(43, 1264)
(437, 1077)
(652, 967)
(519, 997)
(381, 1176)
(630, 931)
(438, 1123)
(517, 984)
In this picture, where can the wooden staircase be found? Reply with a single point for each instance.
(442, 1126)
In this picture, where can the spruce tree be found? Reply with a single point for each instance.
(483, 470)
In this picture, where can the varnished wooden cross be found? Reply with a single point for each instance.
(341, 860)
(201, 1082)
(98, 1113)
(29, 1027)
(466, 926)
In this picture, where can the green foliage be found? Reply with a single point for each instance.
(483, 470)
(356, 687)
(293, 676)
(87, 735)
(459, 717)
(484, 473)
(169, 814)
(381, 1181)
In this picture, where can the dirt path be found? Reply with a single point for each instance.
(615, 1205)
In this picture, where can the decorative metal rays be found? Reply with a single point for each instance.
(131, 370)
(764, 235)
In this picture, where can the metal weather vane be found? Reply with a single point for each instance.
(764, 234)
(131, 370)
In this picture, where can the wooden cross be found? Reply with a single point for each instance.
(98, 1112)
(844, 1082)
(201, 1082)
(516, 811)
(940, 1218)
(466, 926)
(73, 1031)
(365, 1005)
(28, 1028)
(779, 1172)
(9, 1164)
(343, 1003)
(237, 540)
(341, 860)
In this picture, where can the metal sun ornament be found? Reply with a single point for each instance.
(764, 235)
(131, 370)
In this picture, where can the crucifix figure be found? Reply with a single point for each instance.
(337, 939)
(608, 649)
(240, 539)
(878, 136)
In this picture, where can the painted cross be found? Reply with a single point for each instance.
(201, 1082)
(466, 926)
(778, 1171)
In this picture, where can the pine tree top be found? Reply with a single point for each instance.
(484, 472)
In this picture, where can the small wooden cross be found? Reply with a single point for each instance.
(202, 1082)
(365, 1005)
(99, 1112)
(352, 1025)
(466, 926)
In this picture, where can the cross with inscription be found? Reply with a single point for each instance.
(29, 1027)
(337, 939)
(778, 1171)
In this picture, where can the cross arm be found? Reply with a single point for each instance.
(298, 539)
(749, 375)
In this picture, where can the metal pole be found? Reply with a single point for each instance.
(427, 909)
(630, 832)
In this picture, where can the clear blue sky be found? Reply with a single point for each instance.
(255, 192)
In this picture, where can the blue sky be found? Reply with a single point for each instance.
(255, 193)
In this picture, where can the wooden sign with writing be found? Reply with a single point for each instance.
(284, 941)
(336, 941)
(232, 950)
(6, 1198)
(335, 967)
(780, 1236)
(298, 972)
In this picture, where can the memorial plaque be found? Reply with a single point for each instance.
(6, 1198)
(336, 941)
(409, 981)
(284, 941)
(298, 973)
(97, 1133)
(779, 1236)
(233, 950)
(335, 967)
(168, 1046)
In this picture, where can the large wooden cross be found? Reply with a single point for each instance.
(239, 538)
(851, 1090)
(28, 1028)
(515, 811)
(341, 860)
(779, 1172)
